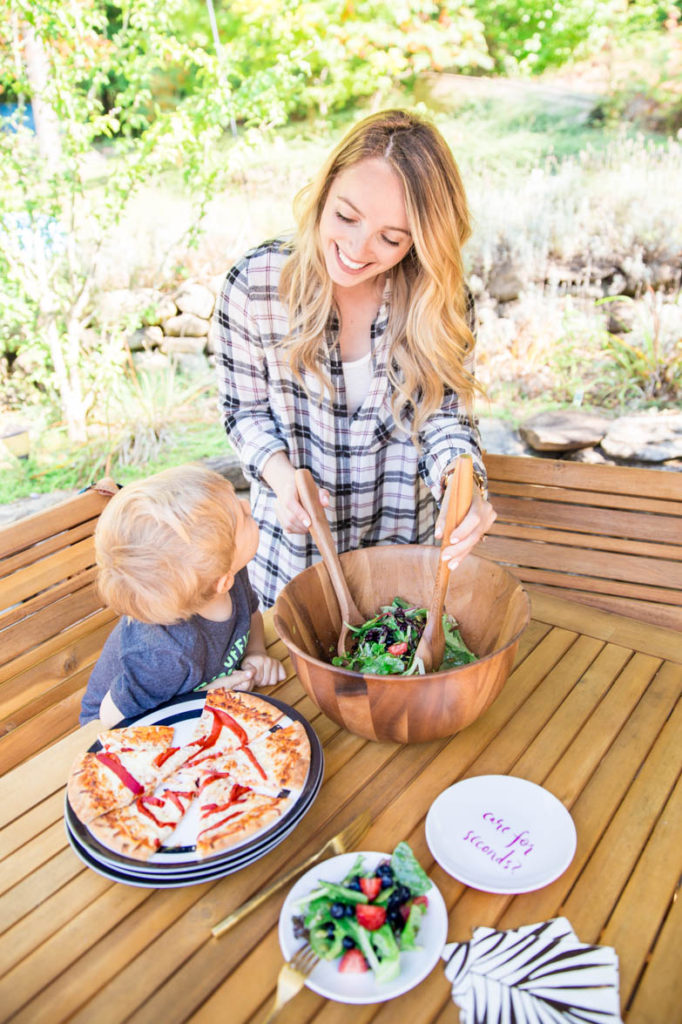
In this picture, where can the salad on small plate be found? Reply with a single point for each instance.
(376, 921)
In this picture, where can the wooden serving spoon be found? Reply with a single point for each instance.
(322, 535)
(458, 494)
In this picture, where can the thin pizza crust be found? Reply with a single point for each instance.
(230, 814)
(139, 829)
(246, 760)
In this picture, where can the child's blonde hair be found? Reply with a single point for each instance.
(163, 543)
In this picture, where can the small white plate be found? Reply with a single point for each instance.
(500, 834)
(362, 988)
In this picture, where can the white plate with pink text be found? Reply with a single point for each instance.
(500, 834)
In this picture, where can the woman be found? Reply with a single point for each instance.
(349, 350)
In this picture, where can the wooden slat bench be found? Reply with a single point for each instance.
(609, 537)
(52, 623)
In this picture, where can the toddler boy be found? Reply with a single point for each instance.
(172, 552)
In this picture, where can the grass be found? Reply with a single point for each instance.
(78, 466)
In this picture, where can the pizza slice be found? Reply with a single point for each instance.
(277, 762)
(230, 813)
(136, 737)
(229, 720)
(140, 828)
(103, 780)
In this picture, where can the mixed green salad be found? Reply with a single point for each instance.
(386, 645)
(368, 918)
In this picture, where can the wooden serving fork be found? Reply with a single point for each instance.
(344, 841)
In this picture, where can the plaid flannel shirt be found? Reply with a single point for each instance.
(383, 489)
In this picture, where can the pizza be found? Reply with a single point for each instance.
(229, 721)
(140, 829)
(230, 812)
(276, 763)
(121, 771)
(242, 769)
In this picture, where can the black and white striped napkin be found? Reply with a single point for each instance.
(537, 974)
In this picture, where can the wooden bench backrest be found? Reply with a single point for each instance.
(604, 535)
(52, 623)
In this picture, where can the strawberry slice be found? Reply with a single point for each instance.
(353, 962)
(370, 916)
(399, 648)
(371, 887)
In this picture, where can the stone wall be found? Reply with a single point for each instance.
(175, 324)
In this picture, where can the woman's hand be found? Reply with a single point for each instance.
(279, 474)
(465, 537)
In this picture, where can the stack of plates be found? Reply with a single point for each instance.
(177, 864)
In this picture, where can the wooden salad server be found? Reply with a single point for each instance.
(458, 495)
(322, 535)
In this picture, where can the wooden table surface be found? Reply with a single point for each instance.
(591, 712)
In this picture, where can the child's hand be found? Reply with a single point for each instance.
(240, 679)
(266, 671)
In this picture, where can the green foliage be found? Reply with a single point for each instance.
(645, 367)
(534, 35)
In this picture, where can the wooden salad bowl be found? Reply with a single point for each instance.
(491, 608)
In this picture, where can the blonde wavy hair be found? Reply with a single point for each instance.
(429, 336)
(163, 543)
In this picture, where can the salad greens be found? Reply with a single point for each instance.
(368, 918)
(386, 644)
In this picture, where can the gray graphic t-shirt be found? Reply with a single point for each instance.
(145, 665)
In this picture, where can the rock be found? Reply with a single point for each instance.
(216, 283)
(593, 456)
(185, 345)
(505, 283)
(212, 344)
(165, 310)
(129, 304)
(622, 317)
(476, 284)
(228, 466)
(653, 437)
(195, 299)
(151, 361)
(186, 325)
(145, 338)
(500, 437)
(563, 430)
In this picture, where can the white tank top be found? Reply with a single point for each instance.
(357, 377)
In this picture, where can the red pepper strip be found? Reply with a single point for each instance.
(144, 809)
(220, 719)
(164, 755)
(112, 762)
(230, 723)
(176, 798)
(217, 824)
(252, 757)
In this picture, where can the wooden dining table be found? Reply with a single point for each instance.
(591, 712)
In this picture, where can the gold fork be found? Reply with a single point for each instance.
(291, 978)
(341, 843)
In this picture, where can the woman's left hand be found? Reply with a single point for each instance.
(465, 537)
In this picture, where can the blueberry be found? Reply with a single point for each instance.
(348, 943)
(385, 873)
(330, 928)
(338, 910)
(399, 895)
(350, 910)
(354, 884)
(395, 919)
